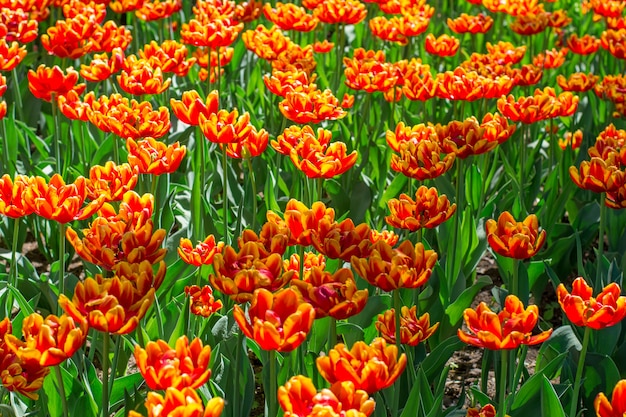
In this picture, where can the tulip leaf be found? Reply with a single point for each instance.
(550, 404)
(454, 311)
(412, 406)
(393, 190)
(600, 375)
(435, 361)
(533, 385)
(473, 186)
(123, 384)
(562, 340)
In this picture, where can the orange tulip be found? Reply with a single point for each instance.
(582, 309)
(508, 329)
(311, 260)
(248, 11)
(11, 55)
(239, 274)
(341, 240)
(551, 58)
(49, 341)
(70, 38)
(18, 25)
(202, 303)
(273, 238)
(125, 6)
(310, 105)
(388, 236)
(185, 402)
(470, 24)
(109, 36)
(202, 254)
(15, 375)
(155, 157)
(370, 368)
(276, 321)
(280, 82)
(506, 52)
(334, 295)
(157, 9)
(295, 57)
(617, 406)
(112, 305)
(615, 42)
(226, 127)
(519, 240)
(140, 78)
(266, 43)
(170, 56)
(422, 160)
(59, 201)
(572, 140)
(111, 181)
(388, 29)
(302, 221)
(299, 398)
(323, 46)
(487, 411)
(387, 268)
(428, 210)
(288, 16)
(530, 24)
(93, 10)
(586, 45)
(101, 67)
(319, 161)
(189, 108)
(186, 366)
(12, 192)
(369, 75)
(413, 330)
(577, 82)
(598, 175)
(444, 45)
(347, 12)
(215, 33)
(46, 82)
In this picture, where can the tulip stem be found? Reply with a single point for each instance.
(105, 374)
(397, 304)
(254, 192)
(599, 279)
(61, 387)
(198, 186)
(270, 395)
(504, 364)
(579, 372)
(515, 280)
(225, 190)
(332, 334)
(61, 260)
(57, 133)
(13, 267)
(116, 354)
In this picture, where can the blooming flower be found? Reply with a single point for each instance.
(605, 310)
(202, 301)
(186, 366)
(465, 23)
(191, 105)
(347, 12)
(112, 305)
(369, 367)
(56, 200)
(413, 330)
(598, 175)
(334, 295)
(422, 160)
(444, 45)
(111, 181)
(155, 157)
(276, 321)
(12, 202)
(185, 402)
(617, 406)
(202, 254)
(387, 268)
(506, 330)
(46, 82)
(49, 341)
(70, 38)
(428, 210)
(519, 240)
(299, 398)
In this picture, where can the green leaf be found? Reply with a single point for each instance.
(397, 185)
(455, 310)
(533, 385)
(550, 404)
(562, 340)
(435, 361)
(123, 384)
(601, 374)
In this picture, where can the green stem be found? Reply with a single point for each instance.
(515, 280)
(198, 186)
(332, 334)
(18, 99)
(13, 267)
(225, 237)
(10, 164)
(518, 371)
(239, 366)
(105, 374)
(116, 354)
(579, 372)
(254, 192)
(503, 376)
(270, 395)
(62, 227)
(599, 279)
(397, 304)
(153, 189)
(59, 377)
(57, 134)
(83, 147)
(454, 257)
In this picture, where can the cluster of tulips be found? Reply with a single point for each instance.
(348, 308)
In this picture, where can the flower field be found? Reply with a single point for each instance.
(279, 209)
